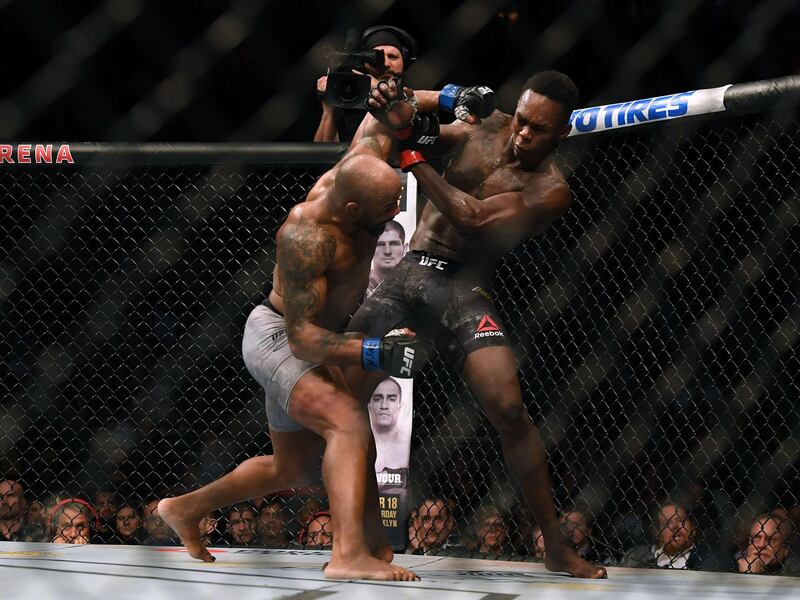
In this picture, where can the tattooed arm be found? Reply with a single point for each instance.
(305, 253)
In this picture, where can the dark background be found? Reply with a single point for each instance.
(208, 70)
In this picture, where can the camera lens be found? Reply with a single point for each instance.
(348, 91)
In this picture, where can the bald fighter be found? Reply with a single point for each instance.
(501, 187)
(293, 348)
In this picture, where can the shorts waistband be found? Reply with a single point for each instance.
(441, 264)
(270, 306)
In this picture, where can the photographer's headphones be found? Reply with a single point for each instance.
(408, 45)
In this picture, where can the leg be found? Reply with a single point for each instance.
(292, 464)
(491, 374)
(362, 384)
(320, 403)
(373, 525)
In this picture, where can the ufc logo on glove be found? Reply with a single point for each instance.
(408, 361)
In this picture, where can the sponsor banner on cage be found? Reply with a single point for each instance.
(39, 154)
(647, 110)
(391, 405)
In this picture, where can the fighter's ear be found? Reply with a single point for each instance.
(352, 209)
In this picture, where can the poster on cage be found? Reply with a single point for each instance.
(391, 405)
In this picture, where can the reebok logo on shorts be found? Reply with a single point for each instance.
(487, 328)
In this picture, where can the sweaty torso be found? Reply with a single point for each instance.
(480, 170)
(348, 274)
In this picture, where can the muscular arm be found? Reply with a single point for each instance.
(530, 210)
(326, 132)
(305, 253)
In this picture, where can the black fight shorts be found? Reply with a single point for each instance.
(435, 298)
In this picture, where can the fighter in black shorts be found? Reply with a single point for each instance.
(500, 188)
(440, 299)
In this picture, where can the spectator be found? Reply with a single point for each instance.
(318, 534)
(399, 50)
(35, 529)
(106, 503)
(675, 546)
(578, 531)
(311, 506)
(522, 541)
(73, 522)
(158, 533)
(51, 502)
(241, 527)
(208, 530)
(766, 551)
(490, 530)
(271, 526)
(391, 247)
(430, 527)
(128, 525)
(12, 509)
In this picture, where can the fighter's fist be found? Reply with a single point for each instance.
(392, 104)
(466, 103)
(399, 355)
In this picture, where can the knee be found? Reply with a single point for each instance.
(298, 475)
(508, 415)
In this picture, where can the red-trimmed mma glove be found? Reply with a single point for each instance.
(422, 132)
(409, 158)
(399, 355)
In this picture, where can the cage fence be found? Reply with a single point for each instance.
(655, 327)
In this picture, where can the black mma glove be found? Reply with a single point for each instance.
(422, 132)
(478, 100)
(399, 355)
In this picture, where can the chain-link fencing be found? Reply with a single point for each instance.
(656, 329)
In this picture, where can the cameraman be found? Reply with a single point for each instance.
(399, 50)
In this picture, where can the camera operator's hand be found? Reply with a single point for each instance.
(392, 106)
(322, 86)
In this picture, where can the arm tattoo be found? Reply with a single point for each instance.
(305, 253)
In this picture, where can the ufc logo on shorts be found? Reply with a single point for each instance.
(426, 140)
(408, 362)
(427, 261)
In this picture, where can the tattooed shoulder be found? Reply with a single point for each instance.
(305, 252)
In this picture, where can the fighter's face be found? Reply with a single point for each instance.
(384, 405)
(389, 250)
(392, 64)
(377, 213)
(538, 125)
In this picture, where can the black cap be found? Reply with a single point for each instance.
(381, 38)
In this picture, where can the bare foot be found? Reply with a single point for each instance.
(562, 558)
(187, 528)
(367, 567)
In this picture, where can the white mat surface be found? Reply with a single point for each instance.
(57, 572)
